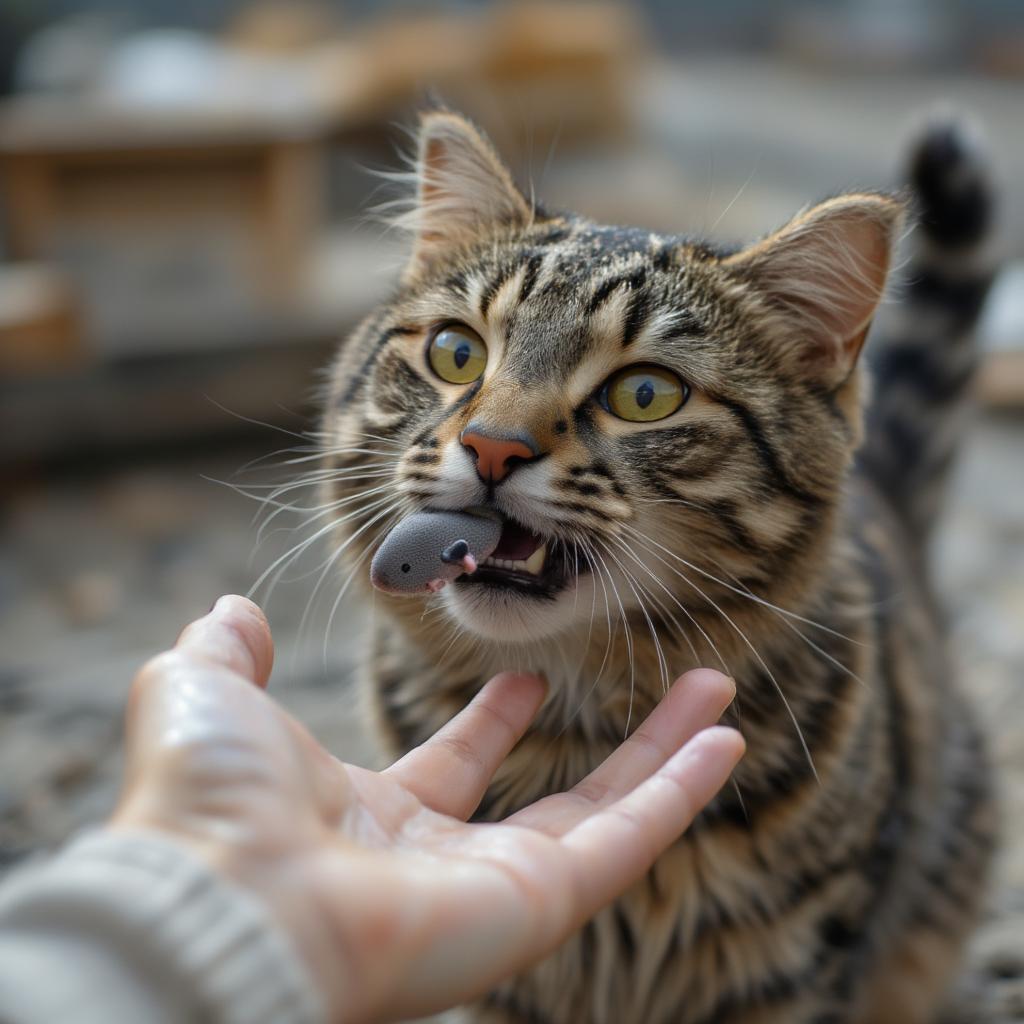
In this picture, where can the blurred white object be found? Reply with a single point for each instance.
(172, 69)
(1002, 325)
(163, 68)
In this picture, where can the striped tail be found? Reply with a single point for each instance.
(922, 355)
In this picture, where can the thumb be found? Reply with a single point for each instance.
(234, 635)
(200, 694)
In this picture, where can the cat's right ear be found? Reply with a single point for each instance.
(462, 189)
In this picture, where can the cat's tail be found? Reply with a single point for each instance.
(923, 354)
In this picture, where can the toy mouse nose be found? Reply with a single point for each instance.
(496, 457)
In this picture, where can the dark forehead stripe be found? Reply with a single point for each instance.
(458, 283)
(533, 262)
(531, 266)
(684, 323)
(532, 259)
(636, 316)
(634, 280)
(492, 287)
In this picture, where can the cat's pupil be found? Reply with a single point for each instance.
(461, 355)
(645, 394)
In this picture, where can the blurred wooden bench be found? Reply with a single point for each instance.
(162, 221)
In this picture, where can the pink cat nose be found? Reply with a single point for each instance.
(496, 457)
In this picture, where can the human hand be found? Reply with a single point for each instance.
(398, 906)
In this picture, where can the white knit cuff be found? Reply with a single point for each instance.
(164, 913)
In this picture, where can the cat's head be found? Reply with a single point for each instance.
(660, 423)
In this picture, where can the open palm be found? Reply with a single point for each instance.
(398, 906)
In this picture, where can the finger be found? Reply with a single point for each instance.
(615, 846)
(196, 705)
(234, 635)
(695, 701)
(450, 772)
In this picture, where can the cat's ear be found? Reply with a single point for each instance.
(462, 188)
(824, 273)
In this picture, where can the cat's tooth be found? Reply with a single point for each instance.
(535, 562)
(533, 565)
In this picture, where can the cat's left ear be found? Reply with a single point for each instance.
(463, 188)
(824, 273)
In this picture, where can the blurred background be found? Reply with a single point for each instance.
(184, 187)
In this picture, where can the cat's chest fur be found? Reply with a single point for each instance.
(795, 877)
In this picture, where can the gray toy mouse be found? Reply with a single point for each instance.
(426, 550)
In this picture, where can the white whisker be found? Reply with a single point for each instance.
(693, 621)
(659, 604)
(632, 583)
(753, 650)
(299, 548)
(743, 592)
(628, 636)
(390, 511)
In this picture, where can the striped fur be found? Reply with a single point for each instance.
(833, 881)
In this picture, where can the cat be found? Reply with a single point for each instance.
(670, 431)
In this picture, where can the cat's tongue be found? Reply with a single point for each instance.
(517, 543)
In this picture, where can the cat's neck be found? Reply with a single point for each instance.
(603, 684)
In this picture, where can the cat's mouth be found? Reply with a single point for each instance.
(524, 561)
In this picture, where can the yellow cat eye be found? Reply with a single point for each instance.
(642, 394)
(457, 354)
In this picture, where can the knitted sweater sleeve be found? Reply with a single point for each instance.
(130, 927)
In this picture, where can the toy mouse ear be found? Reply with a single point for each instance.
(463, 189)
(824, 273)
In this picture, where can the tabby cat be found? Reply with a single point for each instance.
(669, 430)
